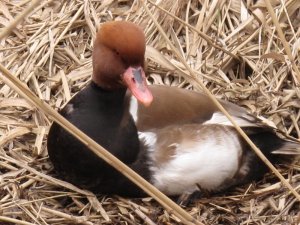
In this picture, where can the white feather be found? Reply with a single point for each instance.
(221, 119)
(207, 163)
(133, 108)
(149, 138)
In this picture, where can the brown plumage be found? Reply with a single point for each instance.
(116, 47)
(176, 139)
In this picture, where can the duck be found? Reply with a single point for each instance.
(177, 139)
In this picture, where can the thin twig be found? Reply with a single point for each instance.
(198, 83)
(166, 202)
(7, 30)
(14, 221)
(204, 36)
(282, 38)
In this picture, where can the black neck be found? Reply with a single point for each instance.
(118, 94)
(119, 184)
(99, 88)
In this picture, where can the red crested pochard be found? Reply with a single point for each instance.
(175, 138)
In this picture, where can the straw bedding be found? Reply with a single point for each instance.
(233, 47)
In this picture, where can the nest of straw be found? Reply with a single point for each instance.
(233, 47)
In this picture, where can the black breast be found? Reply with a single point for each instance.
(103, 116)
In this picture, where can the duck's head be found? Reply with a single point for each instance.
(118, 59)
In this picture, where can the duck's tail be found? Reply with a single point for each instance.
(285, 145)
(288, 147)
(275, 146)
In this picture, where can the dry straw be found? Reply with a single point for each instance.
(282, 38)
(169, 205)
(232, 47)
(17, 85)
(193, 78)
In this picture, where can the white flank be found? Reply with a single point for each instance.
(149, 138)
(133, 108)
(221, 119)
(208, 163)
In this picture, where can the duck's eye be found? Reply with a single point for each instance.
(116, 52)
